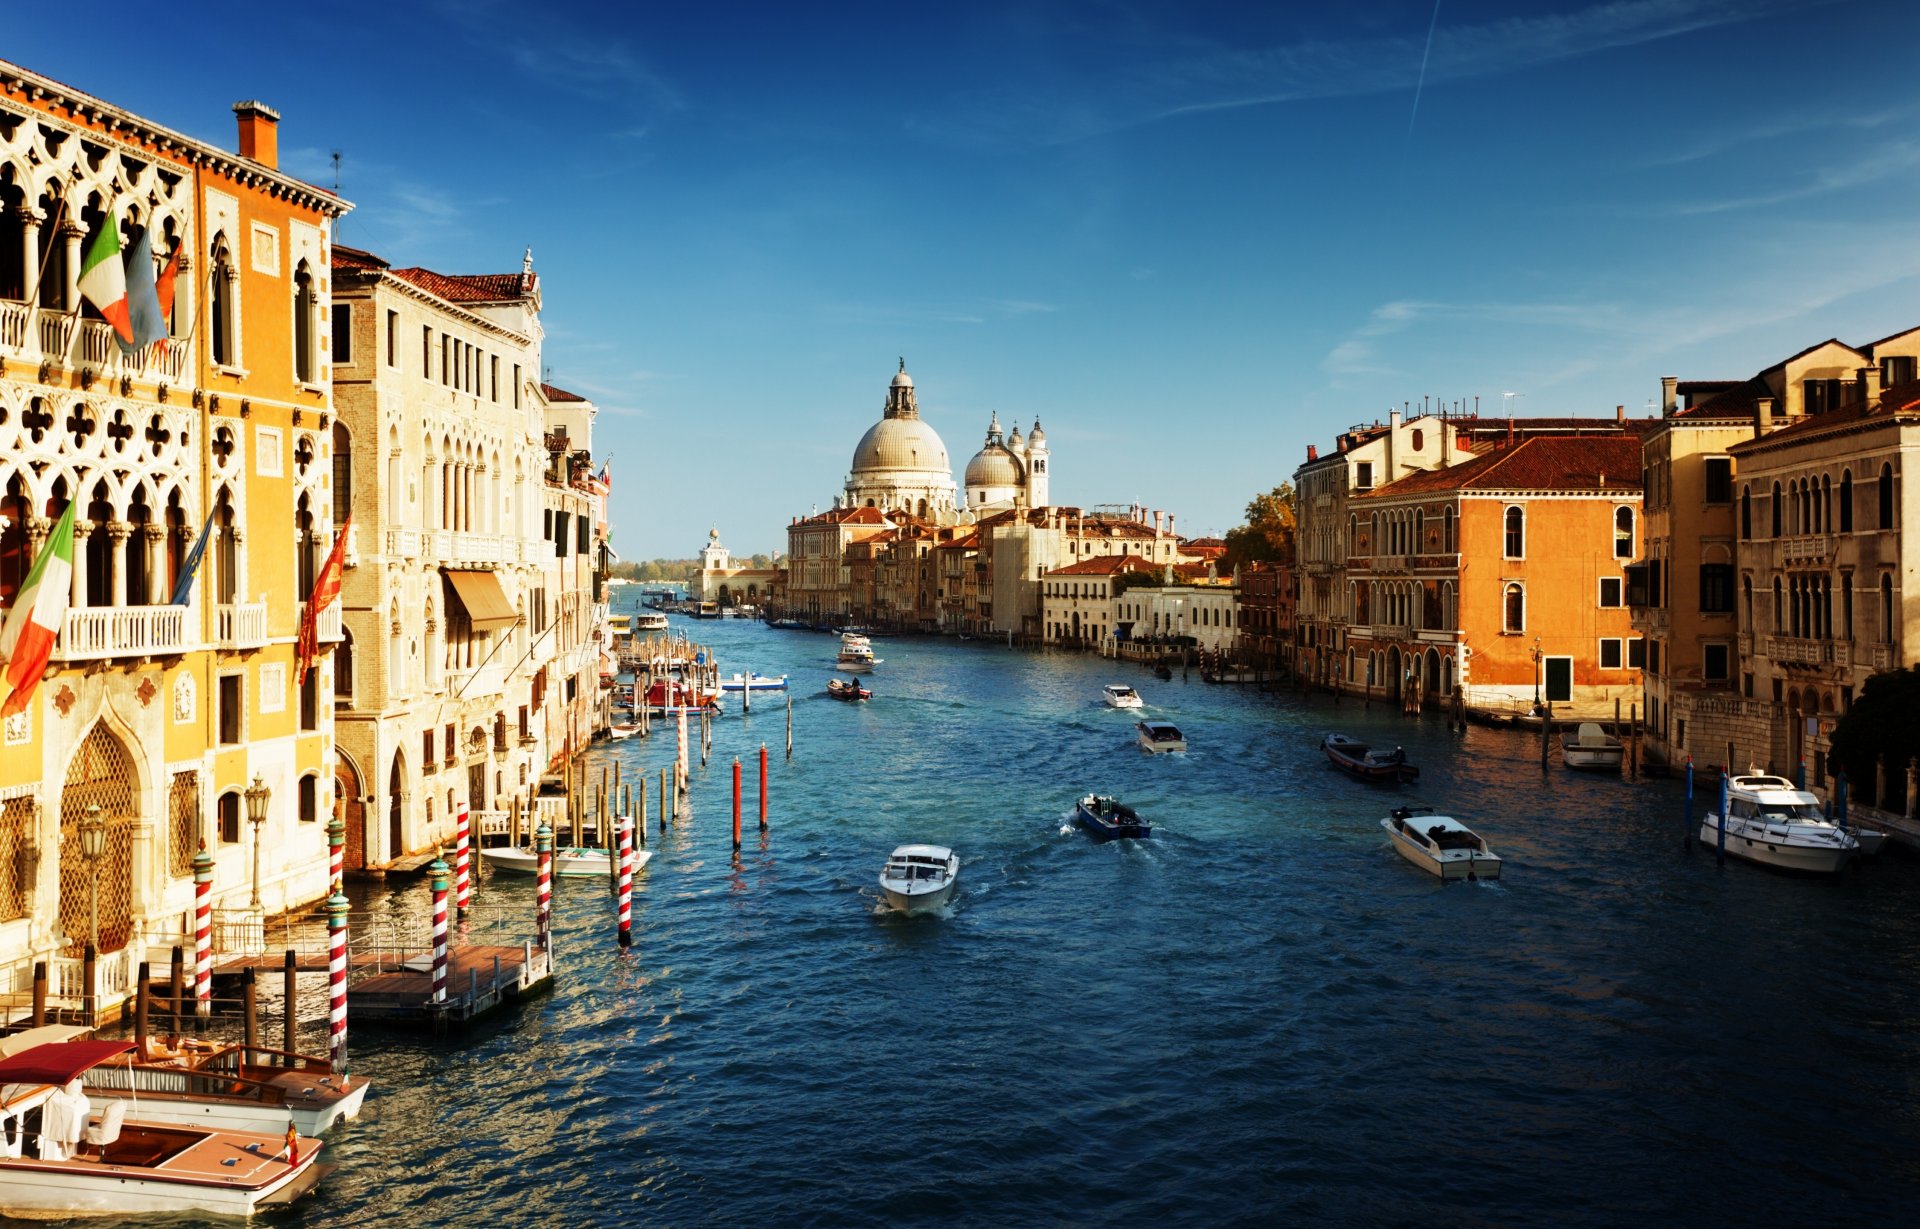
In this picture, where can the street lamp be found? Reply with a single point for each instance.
(1536, 674)
(257, 795)
(93, 847)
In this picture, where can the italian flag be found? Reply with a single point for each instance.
(26, 642)
(103, 280)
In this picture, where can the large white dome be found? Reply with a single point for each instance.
(902, 443)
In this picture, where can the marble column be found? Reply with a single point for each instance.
(117, 533)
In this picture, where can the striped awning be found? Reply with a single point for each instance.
(487, 606)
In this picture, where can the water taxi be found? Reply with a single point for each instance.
(918, 878)
(1109, 818)
(1440, 844)
(1359, 760)
(1157, 737)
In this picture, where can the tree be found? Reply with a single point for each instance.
(1880, 724)
(1267, 537)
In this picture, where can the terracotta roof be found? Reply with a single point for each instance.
(1737, 399)
(345, 257)
(559, 394)
(1104, 565)
(968, 541)
(471, 287)
(1534, 463)
(1900, 399)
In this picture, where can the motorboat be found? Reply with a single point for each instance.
(1109, 818)
(1160, 736)
(669, 696)
(1119, 695)
(1591, 747)
(570, 861)
(918, 878)
(848, 689)
(1770, 822)
(754, 682)
(59, 1158)
(1365, 762)
(649, 621)
(706, 610)
(856, 658)
(1440, 844)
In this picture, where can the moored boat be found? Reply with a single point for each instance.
(622, 729)
(1160, 736)
(1109, 818)
(1770, 822)
(918, 878)
(1440, 844)
(755, 682)
(670, 696)
(1119, 695)
(1590, 747)
(1365, 762)
(568, 860)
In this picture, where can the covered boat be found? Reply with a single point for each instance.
(1772, 823)
(1590, 747)
(1157, 737)
(918, 878)
(570, 860)
(669, 696)
(1365, 762)
(1109, 818)
(1440, 844)
(754, 682)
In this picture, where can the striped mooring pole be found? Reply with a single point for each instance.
(736, 804)
(439, 871)
(462, 870)
(336, 848)
(763, 787)
(337, 982)
(625, 824)
(203, 933)
(543, 898)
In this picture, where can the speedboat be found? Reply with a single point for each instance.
(1591, 747)
(58, 1158)
(1108, 818)
(572, 861)
(848, 689)
(917, 878)
(1440, 844)
(1119, 695)
(1159, 736)
(856, 658)
(754, 682)
(1360, 760)
(1770, 822)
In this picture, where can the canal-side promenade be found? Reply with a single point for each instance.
(1260, 1016)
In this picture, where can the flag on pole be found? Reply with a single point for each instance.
(144, 317)
(163, 291)
(326, 588)
(183, 586)
(103, 280)
(26, 641)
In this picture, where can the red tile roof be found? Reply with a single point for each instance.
(471, 287)
(345, 257)
(1898, 400)
(559, 394)
(1535, 463)
(1104, 565)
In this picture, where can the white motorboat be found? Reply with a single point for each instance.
(754, 682)
(917, 878)
(569, 860)
(1119, 695)
(649, 621)
(58, 1158)
(856, 658)
(1440, 844)
(1160, 736)
(1774, 824)
(1591, 747)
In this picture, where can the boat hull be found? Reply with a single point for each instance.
(917, 902)
(1592, 759)
(1446, 864)
(1808, 859)
(192, 1181)
(256, 1117)
(567, 863)
(1124, 826)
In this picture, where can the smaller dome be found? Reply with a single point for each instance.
(993, 466)
(902, 380)
(1036, 437)
(1013, 440)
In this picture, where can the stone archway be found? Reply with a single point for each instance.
(396, 808)
(102, 773)
(1431, 691)
(349, 797)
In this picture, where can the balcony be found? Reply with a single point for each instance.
(242, 625)
(403, 544)
(33, 334)
(1808, 548)
(95, 633)
(329, 630)
(476, 548)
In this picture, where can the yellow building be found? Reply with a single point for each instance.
(160, 715)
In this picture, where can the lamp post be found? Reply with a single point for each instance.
(257, 795)
(93, 847)
(1536, 673)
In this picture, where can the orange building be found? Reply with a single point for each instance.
(1502, 576)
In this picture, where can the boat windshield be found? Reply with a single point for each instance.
(1790, 811)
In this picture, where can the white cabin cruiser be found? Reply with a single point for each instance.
(1774, 824)
(1440, 844)
(1591, 747)
(1119, 695)
(917, 878)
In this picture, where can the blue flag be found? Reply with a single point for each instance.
(145, 319)
(183, 588)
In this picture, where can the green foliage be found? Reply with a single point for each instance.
(1267, 537)
(1880, 723)
(657, 570)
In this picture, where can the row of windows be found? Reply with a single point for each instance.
(463, 367)
(1806, 506)
(1396, 533)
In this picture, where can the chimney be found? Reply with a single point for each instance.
(1393, 438)
(1169, 524)
(1668, 401)
(1869, 385)
(1619, 413)
(1313, 452)
(1156, 522)
(1762, 416)
(259, 133)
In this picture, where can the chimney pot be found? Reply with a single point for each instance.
(259, 132)
(1619, 413)
(1762, 416)
(1668, 400)
(1313, 452)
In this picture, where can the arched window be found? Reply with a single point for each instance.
(220, 314)
(1746, 513)
(1846, 501)
(99, 555)
(343, 670)
(1419, 531)
(1826, 504)
(309, 799)
(1778, 608)
(1886, 496)
(1775, 518)
(1514, 608)
(15, 556)
(228, 812)
(306, 305)
(1516, 533)
(226, 552)
(1623, 533)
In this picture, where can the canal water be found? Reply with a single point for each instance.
(1260, 1016)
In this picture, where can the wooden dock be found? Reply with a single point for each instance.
(480, 979)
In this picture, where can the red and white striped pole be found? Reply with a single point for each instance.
(203, 933)
(439, 871)
(336, 847)
(680, 756)
(625, 823)
(736, 804)
(763, 787)
(337, 982)
(543, 900)
(462, 879)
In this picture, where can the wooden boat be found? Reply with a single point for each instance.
(1359, 760)
(1591, 747)
(572, 861)
(1163, 672)
(1160, 736)
(1109, 818)
(918, 878)
(1770, 822)
(622, 729)
(1440, 844)
(58, 1159)
(848, 689)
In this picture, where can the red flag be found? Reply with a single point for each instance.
(326, 588)
(163, 289)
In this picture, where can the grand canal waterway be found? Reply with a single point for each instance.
(1260, 1016)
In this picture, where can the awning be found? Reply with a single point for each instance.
(487, 606)
(56, 1064)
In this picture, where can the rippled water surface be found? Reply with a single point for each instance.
(1260, 1016)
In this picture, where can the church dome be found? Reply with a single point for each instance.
(1036, 437)
(993, 466)
(1013, 438)
(901, 379)
(902, 443)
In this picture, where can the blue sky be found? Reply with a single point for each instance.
(1192, 238)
